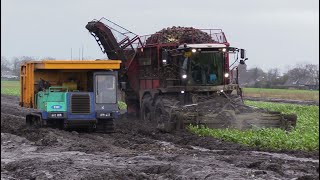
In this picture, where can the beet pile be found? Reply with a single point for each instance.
(180, 35)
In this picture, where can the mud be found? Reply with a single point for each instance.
(136, 151)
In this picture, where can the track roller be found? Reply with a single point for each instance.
(105, 126)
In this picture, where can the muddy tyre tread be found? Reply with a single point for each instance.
(163, 113)
(146, 105)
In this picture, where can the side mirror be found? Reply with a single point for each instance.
(242, 62)
(123, 85)
(242, 53)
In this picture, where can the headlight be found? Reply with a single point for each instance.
(104, 114)
(224, 50)
(182, 92)
(184, 76)
(193, 50)
(226, 75)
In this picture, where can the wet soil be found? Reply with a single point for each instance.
(136, 151)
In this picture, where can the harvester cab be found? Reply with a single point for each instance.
(203, 64)
(71, 94)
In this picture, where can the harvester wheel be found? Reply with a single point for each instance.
(162, 113)
(179, 122)
(146, 108)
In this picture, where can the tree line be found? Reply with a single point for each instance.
(298, 75)
(13, 65)
(253, 77)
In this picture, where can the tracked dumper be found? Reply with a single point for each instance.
(71, 93)
(180, 76)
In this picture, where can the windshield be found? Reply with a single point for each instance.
(106, 89)
(205, 68)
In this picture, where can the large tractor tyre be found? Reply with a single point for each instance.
(163, 116)
(133, 108)
(147, 109)
(179, 122)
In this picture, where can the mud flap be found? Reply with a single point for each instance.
(34, 120)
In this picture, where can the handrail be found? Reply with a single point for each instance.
(232, 75)
(51, 89)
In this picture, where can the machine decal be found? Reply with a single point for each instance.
(56, 107)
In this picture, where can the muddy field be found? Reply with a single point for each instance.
(136, 151)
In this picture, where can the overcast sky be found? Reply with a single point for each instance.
(275, 33)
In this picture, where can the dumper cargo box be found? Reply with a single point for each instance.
(59, 73)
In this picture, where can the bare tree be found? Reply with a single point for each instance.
(313, 70)
(257, 72)
(16, 66)
(5, 65)
(17, 61)
(299, 71)
(273, 75)
(313, 73)
(48, 58)
(304, 74)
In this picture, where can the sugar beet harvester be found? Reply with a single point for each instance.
(181, 76)
(71, 93)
